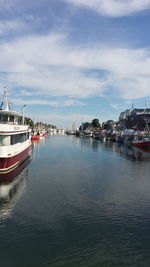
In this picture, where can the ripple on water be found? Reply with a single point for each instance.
(88, 206)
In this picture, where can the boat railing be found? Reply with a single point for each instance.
(11, 123)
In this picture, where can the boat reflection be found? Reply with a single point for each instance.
(12, 185)
(35, 142)
(36, 146)
(38, 141)
(129, 152)
(88, 144)
(133, 153)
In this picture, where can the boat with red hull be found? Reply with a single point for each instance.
(145, 143)
(15, 138)
(10, 176)
(141, 140)
(10, 162)
(35, 137)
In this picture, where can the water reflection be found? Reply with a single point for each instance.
(12, 186)
(36, 143)
(133, 153)
(95, 145)
(129, 152)
(89, 143)
(88, 204)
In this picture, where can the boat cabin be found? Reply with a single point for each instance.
(12, 128)
(6, 140)
(15, 132)
(7, 117)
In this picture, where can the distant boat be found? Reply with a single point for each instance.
(42, 133)
(14, 138)
(35, 136)
(87, 133)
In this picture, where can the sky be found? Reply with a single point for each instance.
(74, 60)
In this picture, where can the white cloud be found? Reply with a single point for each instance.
(132, 87)
(121, 106)
(47, 63)
(115, 106)
(50, 65)
(114, 8)
(60, 103)
(7, 26)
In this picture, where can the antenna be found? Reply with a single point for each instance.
(23, 112)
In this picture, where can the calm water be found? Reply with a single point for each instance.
(78, 202)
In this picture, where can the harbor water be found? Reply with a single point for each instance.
(76, 203)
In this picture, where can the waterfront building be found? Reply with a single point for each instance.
(138, 119)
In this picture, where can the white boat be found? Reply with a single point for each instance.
(14, 138)
(87, 133)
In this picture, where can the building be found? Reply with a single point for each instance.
(138, 119)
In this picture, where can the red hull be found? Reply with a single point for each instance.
(7, 164)
(35, 137)
(10, 176)
(142, 144)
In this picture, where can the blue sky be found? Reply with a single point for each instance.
(74, 60)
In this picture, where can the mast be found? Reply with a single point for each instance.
(5, 103)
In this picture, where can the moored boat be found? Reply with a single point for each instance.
(141, 142)
(125, 137)
(35, 136)
(97, 134)
(14, 138)
(87, 133)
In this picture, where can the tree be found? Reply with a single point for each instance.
(29, 122)
(109, 125)
(44, 125)
(85, 126)
(95, 123)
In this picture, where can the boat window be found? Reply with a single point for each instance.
(3, 118)
(19, 138)
(19, 120)
(11, 118)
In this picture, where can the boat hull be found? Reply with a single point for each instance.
(141, 144)
(8, 177)
(35, 137)
(9, 163)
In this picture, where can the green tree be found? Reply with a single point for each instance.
(95, 123)
(29, 122)
(85, 126)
